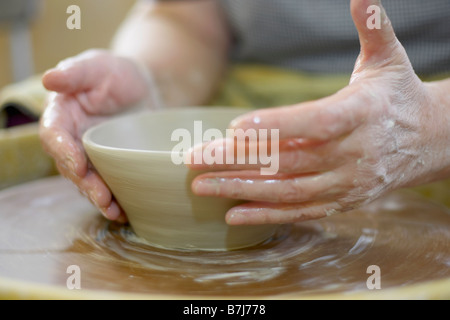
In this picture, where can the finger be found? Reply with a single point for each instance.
(76, 74)
(114, 212)
(102, 83)
(94, 188)
(248, 185)
(323, 120)
(257, 213)
(376, 35)
(289, 156)
(91, 186)
(58, 135)
(60, 139)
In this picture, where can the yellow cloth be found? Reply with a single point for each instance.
(27, 96)
(253, 86)
(21, 155)
(256, 86)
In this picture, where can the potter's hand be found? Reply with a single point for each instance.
(384, 131)
(86, 90)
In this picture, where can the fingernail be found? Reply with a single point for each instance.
(235, 123)
(208, 186)
(112, 212)
(235, 217)
(188, 157)
(194, 155)
(241, 121)
(50, 71)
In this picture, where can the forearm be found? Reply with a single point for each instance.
(440, 92)
(182, 43)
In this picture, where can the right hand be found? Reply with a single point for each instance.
(87, 89)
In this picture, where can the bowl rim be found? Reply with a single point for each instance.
(89, 143)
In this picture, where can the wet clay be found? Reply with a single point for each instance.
(47, 227)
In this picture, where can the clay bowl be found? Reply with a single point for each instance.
(133, 154)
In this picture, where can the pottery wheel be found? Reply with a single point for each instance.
(47, 226)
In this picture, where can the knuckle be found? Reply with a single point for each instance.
(291, 161)
(326, 124)
(291, 192)
(234, 189)
(302, 160)
(235, 193)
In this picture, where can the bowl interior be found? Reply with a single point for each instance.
(152, 131)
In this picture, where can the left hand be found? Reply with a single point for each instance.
(384, 131)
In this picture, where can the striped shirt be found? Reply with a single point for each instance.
(319, 36)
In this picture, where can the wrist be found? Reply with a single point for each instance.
(153, 99)
(440, 98)
(150, 97)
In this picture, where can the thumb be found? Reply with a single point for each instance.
(376, 35)
(76, 74)
(109, 82)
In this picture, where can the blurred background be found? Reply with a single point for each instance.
(34, 36)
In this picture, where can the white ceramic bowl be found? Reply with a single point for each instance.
(133, 156)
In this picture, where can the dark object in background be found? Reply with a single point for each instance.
(15, 117)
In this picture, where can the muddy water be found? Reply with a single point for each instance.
(47, 227)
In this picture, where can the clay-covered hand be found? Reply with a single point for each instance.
(384, 131)
(86, 90)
